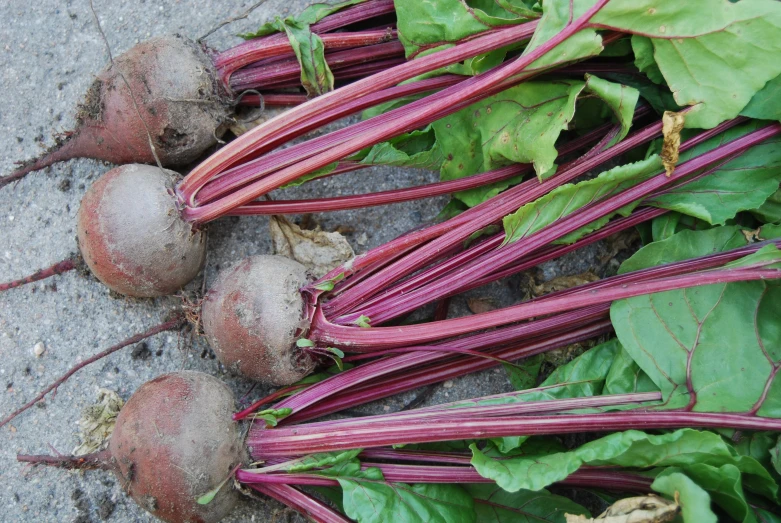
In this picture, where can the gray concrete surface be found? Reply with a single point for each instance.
(49, 52)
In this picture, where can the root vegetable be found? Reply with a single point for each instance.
(132, 237)
(253, 315)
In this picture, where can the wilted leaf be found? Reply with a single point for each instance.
(672, 125)
(97, 422)
(318, 250)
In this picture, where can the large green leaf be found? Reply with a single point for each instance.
(714, 55)
(568, 198)
(713, 348)
(703, 456)
(494, 505)
(625, 376)
(433, 23)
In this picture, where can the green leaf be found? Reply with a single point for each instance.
(316, 76)
(685, 245)
(494, 505)
(417, 149)
(448, 21)
(337, 356)
(374, 501)
(312, 14)
(272, 416)
(694, 501)
(304, 342)
(770, 210)
(664, 226)
(322, 459)
(775, 456)
(625, 376)
(703, 456)
(621, 99)
(568, 198)
(524, 374)
(363, 321)
(643, 48)
(714, 55)
(711, 347)
(744, 183)
(766, 104)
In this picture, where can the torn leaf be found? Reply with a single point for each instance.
(97, 422)
(672, 124)
(318, 250)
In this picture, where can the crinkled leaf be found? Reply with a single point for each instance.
(375, 501)
(722, 339)
(494, 505)
(518, 125)
(312, 14)
(568, 198)
(766, 104)
(694, 501)
(685, 245)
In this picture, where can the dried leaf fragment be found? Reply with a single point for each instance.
(318, 250)
(672, 125)
(563, 282)
(479, 305)
(97, 422)
(641, 509)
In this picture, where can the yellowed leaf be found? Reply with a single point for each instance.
(672, 125)
(563, 282)
(641, 509)
(318, 250)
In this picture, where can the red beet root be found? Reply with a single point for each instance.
(175, 441)
(253, 315)
(163, 92)
(132, 236)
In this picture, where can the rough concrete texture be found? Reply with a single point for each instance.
(50, 52)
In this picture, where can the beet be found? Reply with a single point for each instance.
(177, 100)
(175, 441)
(253, 315)
(132, 236)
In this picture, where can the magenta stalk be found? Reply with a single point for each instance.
(300, 440)
(292, 497)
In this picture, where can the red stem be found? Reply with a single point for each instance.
(297, 500)
(300, 440)
(57, 268)
(259, 137)
(277, 44)
(367, 46)
(379, 198)
(167, 326)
